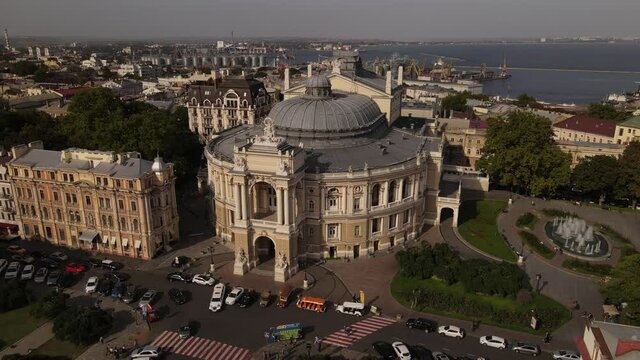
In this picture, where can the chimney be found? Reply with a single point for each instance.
(286, 79)
(387, 88)
(400, 75)
(309, 70)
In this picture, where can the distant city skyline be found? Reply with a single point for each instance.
(344, 19)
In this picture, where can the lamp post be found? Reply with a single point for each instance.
(538, 278)
(212, 266)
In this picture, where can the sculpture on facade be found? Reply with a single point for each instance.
(281, 261)
(268, 136)
(242, 257)
(239, 164)
(336, 64)
(283, 168)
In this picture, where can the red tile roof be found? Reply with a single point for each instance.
(478, 123)
(625, 346)
(602, 127)
(70, 92)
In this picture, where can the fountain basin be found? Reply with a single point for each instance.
(575, 237)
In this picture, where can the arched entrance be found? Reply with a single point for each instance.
(264, 202)
(265, 251)
(447, 214)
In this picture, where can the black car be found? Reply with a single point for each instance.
(130, 295)
(67, 279)
(423, 324)
(48, 263)
(180, 261)
(105, 287)
(246, 299)
(111, 265)
(184, 332)
(420, 352)
(177, 296)
(117, 276)
(54, 278)
(384, 349)
(36, 254)
(179, 276)
(95, 263)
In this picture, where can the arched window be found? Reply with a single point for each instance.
(312, 205)
(110, 221)
(218, 102)
(59, 214)
(333, 199)
(135, 225)
(194, 101)
(206, 103)
(103, 220)
(123, 223)
(391, 195)
(375, 195)
(245, 103)
(406, 188)
(77, 217)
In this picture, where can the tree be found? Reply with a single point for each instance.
(456, 102)
(82, 325)
(598, 175)
(41, 75)
(630, 171)
(605, 111)
(24, 68)
(51, 305)
(624, 287)
(526, 100)
(520, 153)
(13, 295)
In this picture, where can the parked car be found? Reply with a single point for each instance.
(384, 349)
(265, 298)
(149, 351)
(92, 285)
(27, 272)
(438, 355)
(179, 261)
(58, 256)
(179, 276)
(15, 249)
(118, 289)
(147, 298)
(351, 308)
(246, 299)
(493, 341)
(525, 348)
(67, 279)
(566, 355)
(94, 263)
(420, 352)
(41, 275)
(234, 295)
(203, 279)
(105, 286)
(12, 270)
(130, 295)
(48, 263)
(53, 278)
(75, 268)
(36, 254)
(26, 259)
(116, 276)
(184, 332)
(177, 296)
(401, 350)
(217, 296)
(451, 331)
(111, 265)
(3, 264)
(423, 324)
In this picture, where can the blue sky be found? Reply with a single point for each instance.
(388, 19)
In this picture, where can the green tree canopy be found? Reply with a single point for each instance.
(624, 287)
(630, 171)
(82, 325)
(519, 153)
(597, 175)
(456, 102)
(526, 100)
(24, 67)
(605, 111)
(13, 295)
(50, 305)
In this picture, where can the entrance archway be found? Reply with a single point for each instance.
(445, 214)
(264, 201)
(448, 214)
(265, 250)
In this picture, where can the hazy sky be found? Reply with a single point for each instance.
(386, 19)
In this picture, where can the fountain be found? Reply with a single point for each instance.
(576, 237)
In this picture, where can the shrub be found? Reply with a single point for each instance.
(13, 295)
(588, 267)
(526, 220)
(50, 306)
(535, 244)
(82, 325)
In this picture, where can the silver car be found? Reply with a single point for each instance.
(525, 348)
(147, 298)
(566, 355)
(27, 272)
(147, 352)
(12, 271)
(41, 275)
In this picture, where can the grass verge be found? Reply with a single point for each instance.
(478, 227)
(535, 244)
(456, 302)
(16, 324)
(60, 349)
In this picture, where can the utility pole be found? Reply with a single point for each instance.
(6, 40)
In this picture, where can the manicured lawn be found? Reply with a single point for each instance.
(478, 227)
(505, 312)
(61, 349)
(16, 324)
(534, 243)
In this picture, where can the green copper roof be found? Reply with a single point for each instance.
(633, 122)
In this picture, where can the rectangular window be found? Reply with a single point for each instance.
(65, 177)
(101, 201)
(52, 175)
(42, 194)
(107, 203)
(407, 216)
(117, 183)
(26, 229)
(332, 231)
(26, 172)
(133, 206)
(62, 234)
(356, 203)
(356, 230)
(98, 180)
(87, 200)
(393, 221)
(121, 204)
(38, 174)
(310, 231)
(375, 225)
(55, 196)
(71, 177)
(130, 184)
(74, 198)
(47, 231)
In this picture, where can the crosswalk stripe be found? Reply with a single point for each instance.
(196, 347)
(360, 330)
(183, 344)
(213, 350)
(222, 349)
(232, 354)
(203, 349)
(169, 340)
(200, 348)
(162, 338)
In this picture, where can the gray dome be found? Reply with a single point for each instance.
(339, 115)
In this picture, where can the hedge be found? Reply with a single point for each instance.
(535, 244)
(587, 267)
(558, 213)
(526, 220)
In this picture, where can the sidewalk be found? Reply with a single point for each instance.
(30, 342)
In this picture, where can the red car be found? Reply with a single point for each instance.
(75, 268)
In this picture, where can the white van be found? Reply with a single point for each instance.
(351, 308)
(217, 297)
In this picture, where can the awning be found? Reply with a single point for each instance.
(114, 240)
(88, 235)
(137, 244)
(125, 242)
(8, 226)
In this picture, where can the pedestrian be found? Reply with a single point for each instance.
(135, 343)
(319, 344)
(101, 340)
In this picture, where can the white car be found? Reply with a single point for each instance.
(12, 271)
(147, 352)
(58, 256)
(217, 297)
(27, 272)
(451, 331)
(494, 342)
(203, 279)
(566, 355)
(234, 295)
(41, 275)
(402, 351)
(3, 264)
(92, 285)
(437, 355)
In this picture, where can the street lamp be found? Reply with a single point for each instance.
(538, 278)
(212, 266)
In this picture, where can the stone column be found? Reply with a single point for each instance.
(243, 198)
(385, 199)
(401, 189)
(286, 206)
(280, 207)
(236, 195)
(416, 187)
(344, 200)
